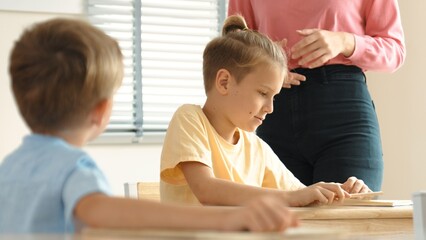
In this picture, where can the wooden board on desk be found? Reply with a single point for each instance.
(376, 203)
(363, 220)
(365, 195)
(352, 212)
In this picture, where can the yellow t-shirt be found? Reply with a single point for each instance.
(191, 137)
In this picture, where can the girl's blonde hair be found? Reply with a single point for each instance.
(239, 50)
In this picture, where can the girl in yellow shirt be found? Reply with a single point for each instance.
(211, 154)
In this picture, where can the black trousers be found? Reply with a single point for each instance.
(326, 129)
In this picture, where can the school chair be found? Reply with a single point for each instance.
(142, 190)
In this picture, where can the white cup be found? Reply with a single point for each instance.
(419, 215)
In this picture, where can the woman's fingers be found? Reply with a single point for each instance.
(293, 79)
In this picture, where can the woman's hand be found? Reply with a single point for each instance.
(355, 185)
(291, 78)
(319, 46)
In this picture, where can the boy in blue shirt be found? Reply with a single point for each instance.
(64, 74)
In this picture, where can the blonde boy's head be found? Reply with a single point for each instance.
(60, 69)
(239, 50)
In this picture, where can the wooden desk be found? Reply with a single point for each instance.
(402, 236)
(292, 234)
(325, 222)
(98, 234)
(318, 223)
(360, 220)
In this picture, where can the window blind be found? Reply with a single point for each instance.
(162, 43)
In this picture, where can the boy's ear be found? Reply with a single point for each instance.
(100, 112)
(222, 81)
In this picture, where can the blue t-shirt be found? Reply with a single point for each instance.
(41, 183)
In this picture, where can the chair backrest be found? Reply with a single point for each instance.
(143, 190)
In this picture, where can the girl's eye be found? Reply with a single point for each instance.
(263, 93)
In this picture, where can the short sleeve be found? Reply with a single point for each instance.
(277, 175)
(86, 178)
(186, 140)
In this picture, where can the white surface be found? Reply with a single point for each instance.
(419, 215)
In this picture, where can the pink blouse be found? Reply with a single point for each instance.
(376, 25)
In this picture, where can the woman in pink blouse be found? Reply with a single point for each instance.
(324, 126)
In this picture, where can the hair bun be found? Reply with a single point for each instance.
(234, 23)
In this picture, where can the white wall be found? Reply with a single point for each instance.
(400, 100)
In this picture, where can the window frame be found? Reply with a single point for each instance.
(143, 137)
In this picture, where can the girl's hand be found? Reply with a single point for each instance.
(355, 185)
(319, 46)
(319, 193)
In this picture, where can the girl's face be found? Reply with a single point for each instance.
(252, 98)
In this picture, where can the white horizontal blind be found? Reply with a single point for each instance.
(163, 42)
(116, 18)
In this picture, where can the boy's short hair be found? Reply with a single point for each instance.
(60, 69)
(239, 50)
